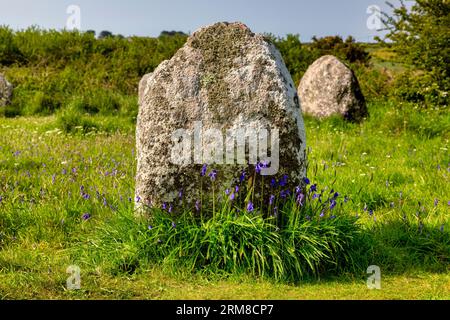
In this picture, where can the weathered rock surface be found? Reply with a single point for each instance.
(6, 90)
(328, 88)
(224, 78)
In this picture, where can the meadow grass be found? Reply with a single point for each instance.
(394, 168)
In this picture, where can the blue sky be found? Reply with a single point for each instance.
(149, 18)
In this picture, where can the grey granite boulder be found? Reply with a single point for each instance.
(328, 88)
(6, 90)
(223, 91)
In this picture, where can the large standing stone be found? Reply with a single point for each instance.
(329, 87)
(6, 90)
(225, 78)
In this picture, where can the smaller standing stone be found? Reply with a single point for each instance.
(329, 87)
(6, 90)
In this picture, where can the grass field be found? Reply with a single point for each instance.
(394, 168)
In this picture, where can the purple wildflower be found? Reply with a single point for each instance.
(306, 181)
(322, 213)
(213, 175)
(336, 194)
(174, 225)
(313, 188)
(370, 212)
(436, 201)
(138, 199)
(150, 227)
(315, 196)
(346, 199)
(197, 205)
(333, 217)
(250, 207)
(300, 199)
(170, 209)
(227, 192)
(242, 177)
(86, 216)
(298, 190)
(232, 196)
(180, 194)
(164, 206)
(64, 171)
(271, 199)
(273, 183)
(203, 172)
(283, 180)
(332, 204)
(258, 168)
(236, 189)
(85, 196)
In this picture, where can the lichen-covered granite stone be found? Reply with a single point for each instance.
(225, 78)
(328, 88)
(6, 90)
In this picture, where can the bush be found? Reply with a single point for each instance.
(421, 38)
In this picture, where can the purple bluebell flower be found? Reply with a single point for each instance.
(85, 196)
(370, 212)
(242, 177)
(300, 199)
(322, 213)
(271, 199)
(336, 194)
(315, 196)
(275, 212)
(258, 168)
(436, 201)
(365, 207)
(86, 216)
(306, 181)
(164, 206)
(16, 154)
(174, 225)
(250, 207)
(197, 205)
(273, 183)
(203, 171)
(332, 204)
(236, 189)
(346, 199)
(232, 196)
(297, 190)
(74, 170)
(313, 188)
(284, 194)
(138, 199)
(64, 171)
(227, 192)
(213, 175)
(333, 217)
(150, 227)
(180, 194)
(170, 209)
(283, 180)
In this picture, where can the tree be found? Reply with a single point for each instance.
(105, 34)
(421, 37)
